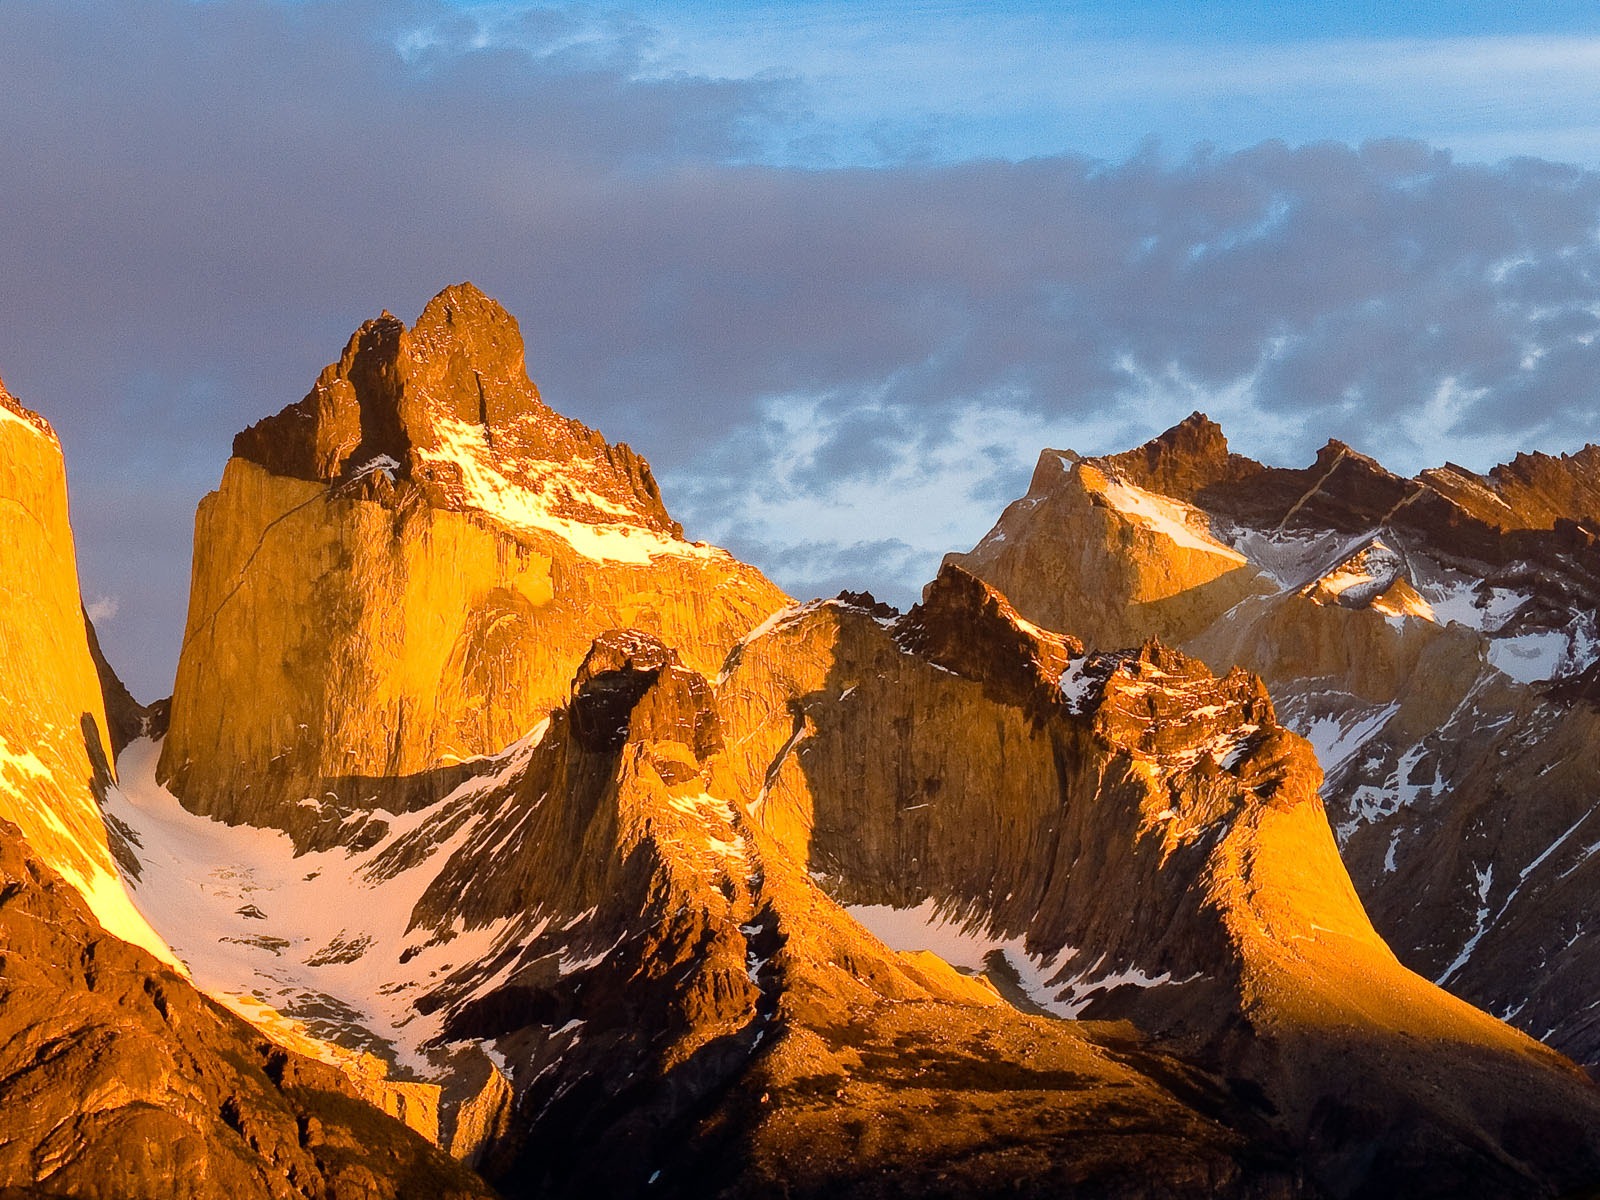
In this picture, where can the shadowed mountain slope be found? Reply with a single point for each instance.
(1133, 838)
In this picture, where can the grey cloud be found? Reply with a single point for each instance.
(201, 201)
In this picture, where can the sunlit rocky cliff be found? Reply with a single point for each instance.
(550, 852)
(404, 569)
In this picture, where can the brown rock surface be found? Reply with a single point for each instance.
(404, 569)
(126, 718)
(688, 1014)
(1083, 551)
(1156, 841)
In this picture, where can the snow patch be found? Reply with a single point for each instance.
(1183, 524)
(1077, 684)
(1531, 657)
(316, 938)
(1078, 992)
(1337, 738)
(530, 501)
(971, 949)
(7, 417)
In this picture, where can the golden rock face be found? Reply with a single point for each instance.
(1112, 562)
(405, 569)
(659, 910)
(55, 747)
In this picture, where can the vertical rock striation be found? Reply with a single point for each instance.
(1134, 838)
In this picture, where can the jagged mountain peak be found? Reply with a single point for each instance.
(433, 549)
(1435, 638)
(970, 629)
(1545, 489)
(445, 410)
(55, 744)
(1190, 456)
(463, 321)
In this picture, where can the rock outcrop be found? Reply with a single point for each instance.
(684, 1011)
(403, 570)
(1434, 637)
(565, 842)
(56, 746)
(672, 1001)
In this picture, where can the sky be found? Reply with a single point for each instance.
(839, 271)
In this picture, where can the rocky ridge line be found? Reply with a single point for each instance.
(1433, 636)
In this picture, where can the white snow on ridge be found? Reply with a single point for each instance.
(1367, 571)
(1185, 525)
(1337, 739)
(258, 926)
(7, 416)
(382, 463)
(529, 503)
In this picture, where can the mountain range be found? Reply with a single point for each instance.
(1209, 828)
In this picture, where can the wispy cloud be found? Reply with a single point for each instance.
(961, 82)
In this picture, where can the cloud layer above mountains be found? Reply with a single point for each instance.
(838, 371)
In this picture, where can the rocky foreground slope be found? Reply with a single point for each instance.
(1435, 638)
(656, 918)
(118, 1080)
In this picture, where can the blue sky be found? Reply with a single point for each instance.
(839, 271)
(875, 82)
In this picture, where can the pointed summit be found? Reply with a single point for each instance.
(447, 407)
(1192, 455)
(1435, 636)
(479, 342)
